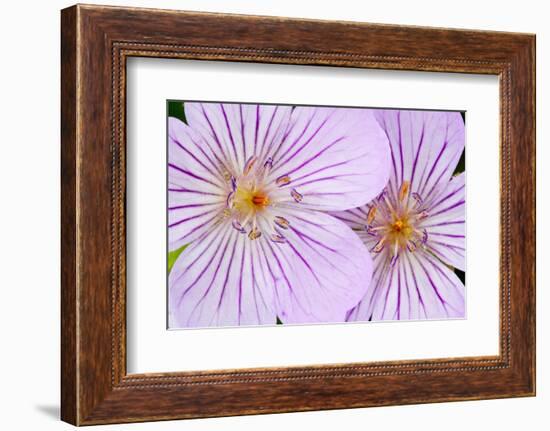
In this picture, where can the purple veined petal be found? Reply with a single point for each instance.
(362, 312)
(418, 286)
(446, 225)
(212, 122)
(195, 192)
(219, 281)
(442, 291)
(425, 147)
(188, 222)
(356, 219)
(324, 269)
(264, 127)
(238, 131)
(188, 149)
(337, 158)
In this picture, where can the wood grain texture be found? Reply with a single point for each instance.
(96, 41)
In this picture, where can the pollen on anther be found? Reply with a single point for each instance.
(404, 190)
(296, 195)
(283, 180)
(278, 238)
(282, 222)
(227, 176)
(249, 165)
(371, 214)
(254, 234)
(238, 226)
(378, 246)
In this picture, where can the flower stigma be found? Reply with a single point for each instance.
(248, 198)
(256, 201)
(395, 221)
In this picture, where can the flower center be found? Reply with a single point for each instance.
(260, 201)
(256, 201)
(249, 198)
(402, 228)
(397, 226)
(395, 221)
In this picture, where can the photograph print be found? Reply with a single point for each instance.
(285, 214)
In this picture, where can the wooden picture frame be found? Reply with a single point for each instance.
(96, 41)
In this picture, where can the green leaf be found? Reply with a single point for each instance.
(175, 109)
(173, 256)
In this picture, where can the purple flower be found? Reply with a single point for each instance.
(248, 187)
(415, 228)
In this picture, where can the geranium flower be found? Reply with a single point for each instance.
(248, 187)
(415, 228)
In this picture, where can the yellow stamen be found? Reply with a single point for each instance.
(404, 190)
(371, 214)
(249, 165)
(379, 245)
(282, 222)
(254, 233)
(411, 246)
(389, 205)
(296, 195)
(227, 176)
(283, 181)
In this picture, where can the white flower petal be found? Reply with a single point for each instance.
(264, 128)
(418, 286)
(218, 281)
(238, 132)
(323, 269)
(336, 158)
(195, 191)
(446, 224)
(425, 147)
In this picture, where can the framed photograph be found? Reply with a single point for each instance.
(266, 215)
